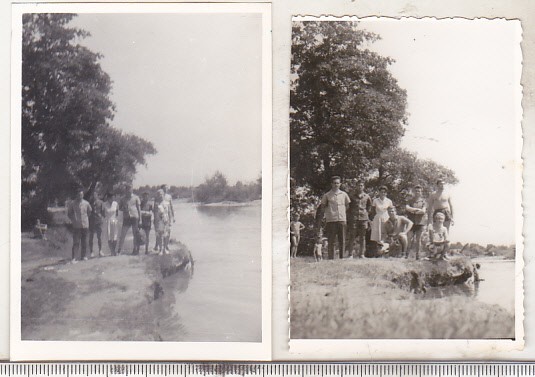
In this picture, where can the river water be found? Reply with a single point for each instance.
(496, 288)
(222, 301)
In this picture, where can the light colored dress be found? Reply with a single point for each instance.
(112, 222)
(161, 218)
(381, 215)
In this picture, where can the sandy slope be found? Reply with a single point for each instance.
(110, 298)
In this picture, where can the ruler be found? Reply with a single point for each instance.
(269, 369)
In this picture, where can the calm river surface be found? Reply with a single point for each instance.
(223, 299)
(497, 287)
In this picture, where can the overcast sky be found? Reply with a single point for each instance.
(462, 99)
(190, 84)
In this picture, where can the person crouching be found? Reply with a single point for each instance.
(396, 228)
(439, 243)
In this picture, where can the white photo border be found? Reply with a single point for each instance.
(432, 349)
(103, 350)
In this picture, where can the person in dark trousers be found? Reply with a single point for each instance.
(79, 212)
(358, 220)
(98, 214)
(130, 206)
(334, 205)
(146, 218)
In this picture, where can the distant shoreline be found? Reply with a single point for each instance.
(229, 204)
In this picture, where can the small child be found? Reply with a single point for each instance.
(295, 234)
(438, 237)
(40, 229)
(318, 247)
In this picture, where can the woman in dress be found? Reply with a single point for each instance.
(112, 221)
(161, 223)
(380, 205)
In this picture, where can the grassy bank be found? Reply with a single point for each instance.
(366, 299)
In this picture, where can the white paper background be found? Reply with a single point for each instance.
(282, 11)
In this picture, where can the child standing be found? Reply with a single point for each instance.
(295, 234)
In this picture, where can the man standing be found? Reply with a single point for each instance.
(131, 207)
(79, 212)
(440, 201)
(396, 228)
(335, 204)
(417, 213)
(95, 223)
(358, 219)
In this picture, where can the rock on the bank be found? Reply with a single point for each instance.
(417, 275)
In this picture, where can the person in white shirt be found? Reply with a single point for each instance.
(335, 204)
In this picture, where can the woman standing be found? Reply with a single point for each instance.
(161, 223)
(112, 221)
(380, 205)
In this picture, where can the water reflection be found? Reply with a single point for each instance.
(496, 288)
(468, 290)
(223, 302)
(220, 212)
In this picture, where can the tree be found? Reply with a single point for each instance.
(399, 169)
(67, 138)
(346, 107)
(213, 189)
(347, 117)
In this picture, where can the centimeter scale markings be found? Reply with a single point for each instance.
(266, 370)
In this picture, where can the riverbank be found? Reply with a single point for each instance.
(230, 204)
(371, 299)
(110, 298)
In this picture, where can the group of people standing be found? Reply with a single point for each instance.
(94, 217)
(349, 216)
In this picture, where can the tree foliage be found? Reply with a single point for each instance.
(67, 138)
(216, 189)
(399, 169)
(346, 107)
(347, 117)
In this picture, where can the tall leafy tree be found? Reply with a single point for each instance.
(346, 107)
(67, 138)
(347, 117)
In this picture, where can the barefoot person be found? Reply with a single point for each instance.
(417, 213)
(358, 219)
(112, 221)
(79, 212)
(295, 234)
(396, 229)
(438, 237)
(161, 223)
(130, 206)
(380, 206)
(146, 218)
(169, 200)
(95, 222)
(440, 201)
(335, 204)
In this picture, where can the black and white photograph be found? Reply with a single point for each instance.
(144, 181)
(405, 188)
